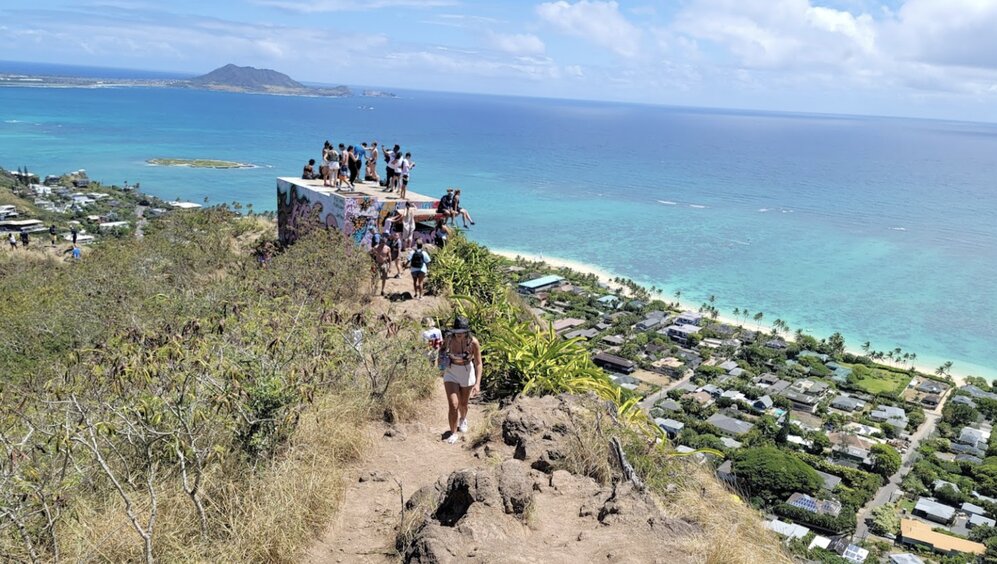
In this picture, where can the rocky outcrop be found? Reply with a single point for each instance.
(526, 506)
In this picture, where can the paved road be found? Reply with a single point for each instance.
(884, 494)
(648, 402)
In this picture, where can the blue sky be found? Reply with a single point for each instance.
(926, 58)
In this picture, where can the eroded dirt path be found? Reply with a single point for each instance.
(403, 458)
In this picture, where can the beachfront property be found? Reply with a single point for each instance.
(682, 333)
(358, 213)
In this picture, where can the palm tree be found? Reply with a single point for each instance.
(776, 326)
(678, 294)
(737, 312)
(866, 346)
(759, 316)
(712, 298)
(913, 357)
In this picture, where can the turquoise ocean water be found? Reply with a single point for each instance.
(882, 229)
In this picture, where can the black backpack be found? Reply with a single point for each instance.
(418, 259)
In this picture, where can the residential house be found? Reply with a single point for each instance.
(979, 521)
(614, 363)
(689, 318)
(670, 426)
(931, 400)
(562, 325)
(787, 530)
(852, 456)
(777, 344)
(938, 484)
(725, 472)
(934, 511)
(959, 448)
(734, 395)
(977, 392)
(972, 509)
(728, 365)
(609, 300)
(682, 333)
(779, 386)
(730, 443)
(969, 459)
(965, 400)
(891, 415)
(843, 547)
(932, 387)
(541, 284)
(830, 480)
(729, 425)
(905, 558)
(702, 398)
(737, 372)
(584, 334)
(812, 354)
(916, 533)
(614, 340)
(846, 403)
(647, 323)
(814, 505)
(801, 401)
(974, 437)
(670, 405)
(712, 390)
(763, 403)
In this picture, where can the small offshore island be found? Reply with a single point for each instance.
(198, 163)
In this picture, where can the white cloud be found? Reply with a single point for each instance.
(516, 44)
(596, 21)
(314, 6)
(780, 34)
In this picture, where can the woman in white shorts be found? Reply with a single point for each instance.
(460, 359)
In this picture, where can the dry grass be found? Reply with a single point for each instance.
(731, 531)
(487, 429)
(588, 448)
(263, 516)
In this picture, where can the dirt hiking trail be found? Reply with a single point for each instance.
(403, 457)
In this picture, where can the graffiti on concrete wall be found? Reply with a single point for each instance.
(357, 216)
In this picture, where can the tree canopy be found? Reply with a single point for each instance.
(771, 473)
(885, 460)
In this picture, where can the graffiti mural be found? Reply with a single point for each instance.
(358, 216)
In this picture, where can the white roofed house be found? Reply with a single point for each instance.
(890, 415)
(977, 438)
(934, 511)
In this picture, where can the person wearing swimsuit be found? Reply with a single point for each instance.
(460, 360)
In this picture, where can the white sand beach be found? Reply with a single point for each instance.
(607, 277)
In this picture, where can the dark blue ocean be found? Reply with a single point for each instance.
(883, 229)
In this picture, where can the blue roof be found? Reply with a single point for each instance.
(541, 282)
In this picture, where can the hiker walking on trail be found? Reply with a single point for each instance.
(460, 361)
(418, 261)
(13, 242)
(24, 239)
(53, 234)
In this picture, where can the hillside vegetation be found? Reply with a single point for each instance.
(168, 398)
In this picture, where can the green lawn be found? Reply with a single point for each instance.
(876, 380)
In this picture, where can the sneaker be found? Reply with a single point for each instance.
(462, 426)
(453, 438)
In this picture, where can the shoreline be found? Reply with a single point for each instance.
(606, 277)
